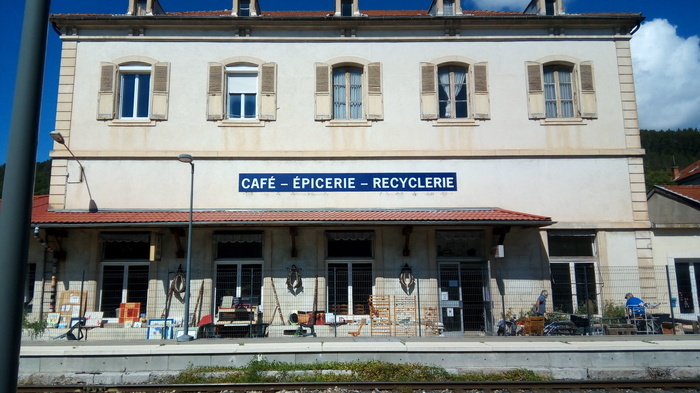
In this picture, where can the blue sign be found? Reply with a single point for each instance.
(347, 182)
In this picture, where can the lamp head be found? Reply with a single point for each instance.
(57, 137)
(186, 158)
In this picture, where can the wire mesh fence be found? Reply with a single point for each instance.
(350, 299)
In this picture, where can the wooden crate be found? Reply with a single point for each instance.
(380, 315)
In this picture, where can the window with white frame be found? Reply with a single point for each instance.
(688, 284)
(573, 274)
(349, 92)
(558, 91)
(454, 91)
(561, 90)
(133, 91)
(242, 92)
(242, 88)
(125, 270)
(239, 258)
(243, 7)
(448, 7)
(346, 7)
(349, 257)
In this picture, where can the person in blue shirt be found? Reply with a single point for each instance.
(541, 303)
(635, 306)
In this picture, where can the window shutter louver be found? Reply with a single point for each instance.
(428, 92)
(159, 91)
(535, 91)
(588, 98)
(107, 92)
(215, 92)
(375, 104)
(268, 91)
(323, 93)
(482, 106)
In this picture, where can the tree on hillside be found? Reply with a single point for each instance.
(42, 177)
(666, 149)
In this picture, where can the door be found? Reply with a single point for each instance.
(464, 297)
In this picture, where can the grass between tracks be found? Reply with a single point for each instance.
(261, 371)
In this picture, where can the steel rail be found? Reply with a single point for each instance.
(484, 386)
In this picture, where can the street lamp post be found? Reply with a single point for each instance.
(186, 158)
(58, 138)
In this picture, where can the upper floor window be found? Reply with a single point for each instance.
(349, 92)
(134, 95)
(243, 7)
(454, 91)
(448, 7)
(242, 87)
(242, 92)
(561, 91)
(346, 7)
(549, 7)
(445, 8)
(558, 91)
(133, 91)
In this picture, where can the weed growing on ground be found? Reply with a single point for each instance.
(261, 371)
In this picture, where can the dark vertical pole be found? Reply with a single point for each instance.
(420, 330)
(335, 301)
(588, 299)
(15, 218)
(668, 285)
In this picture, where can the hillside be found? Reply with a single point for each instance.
(666, 149)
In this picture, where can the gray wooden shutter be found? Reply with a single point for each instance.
(106, 108)
(481, 105)
(535, 90)
(588, 97)
(324, 98)
(375, 104)
(268, 91)
(215, 92)
(160, 83)
(428, 92)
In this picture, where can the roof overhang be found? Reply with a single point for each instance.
(490, 216)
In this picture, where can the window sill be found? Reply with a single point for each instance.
(132, 123)
(465, 122)
(349, 123)
(574, 121)
(241, 123)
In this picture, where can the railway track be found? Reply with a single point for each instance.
(617, 386)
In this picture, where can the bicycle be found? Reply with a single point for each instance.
(561, 328)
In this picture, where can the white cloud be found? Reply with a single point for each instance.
(511, 5)
(666, 70)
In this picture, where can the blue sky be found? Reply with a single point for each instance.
(666, 51)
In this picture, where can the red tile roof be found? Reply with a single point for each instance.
(691, 192)
(693, 169)
(330, 12)
(41, 215)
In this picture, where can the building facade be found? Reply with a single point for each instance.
(412, 171)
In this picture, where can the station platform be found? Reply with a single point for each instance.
(562, 357)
